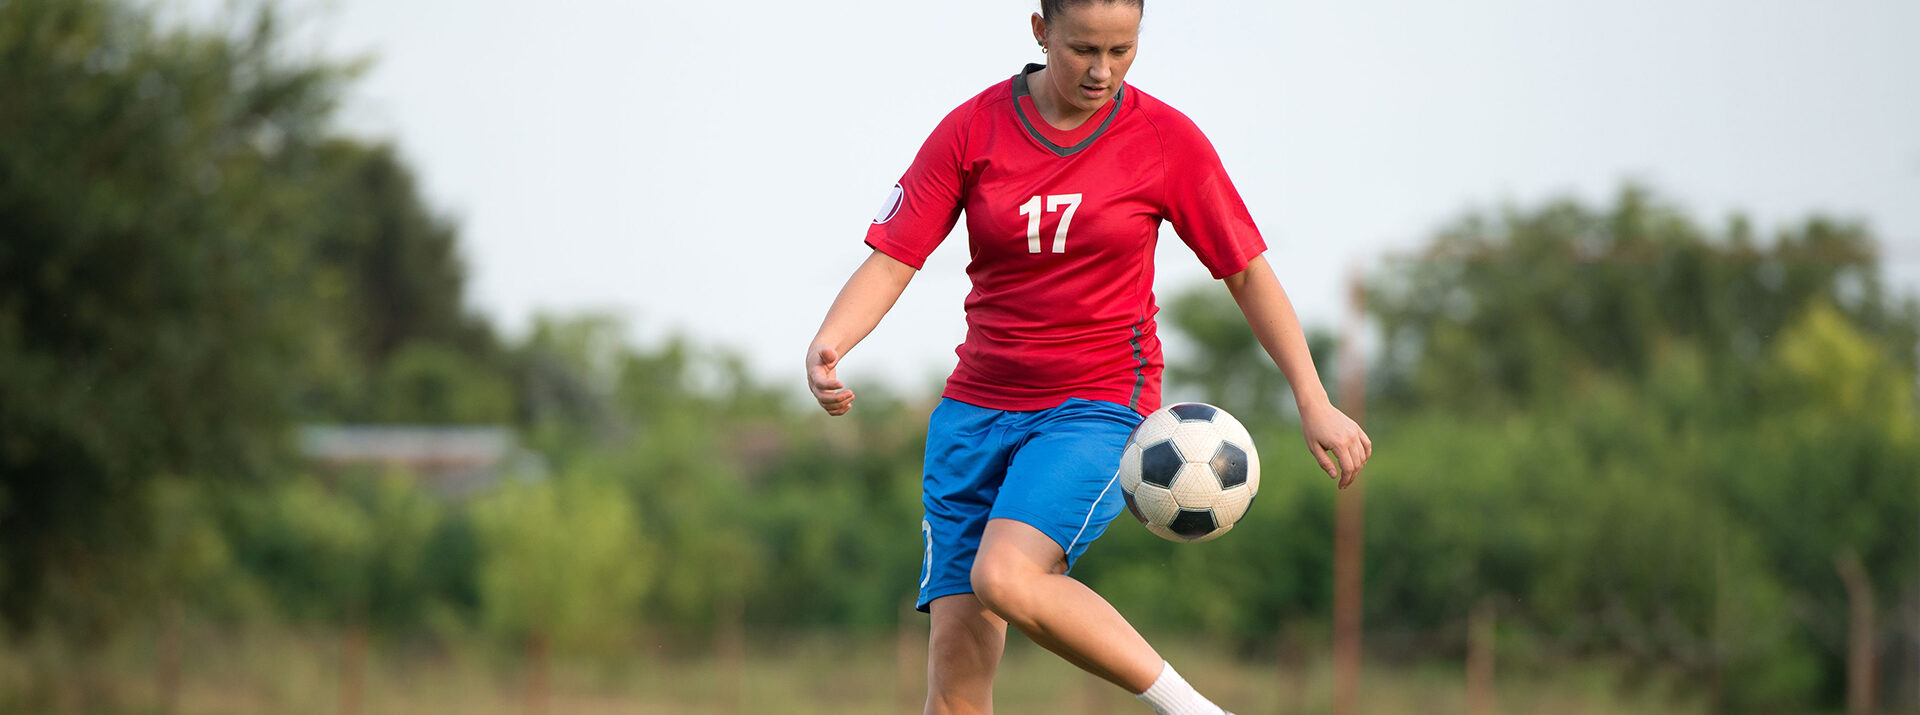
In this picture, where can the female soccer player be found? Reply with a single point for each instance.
(1065, 173)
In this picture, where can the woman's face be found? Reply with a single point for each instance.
(1089, 48)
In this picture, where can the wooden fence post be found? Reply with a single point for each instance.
(167, 656)
(1860, 631)
(730, 643)
(353, 668)
(1480, 637)
(539, 666)
(908, 649)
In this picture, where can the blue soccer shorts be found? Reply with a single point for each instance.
(1052, 469)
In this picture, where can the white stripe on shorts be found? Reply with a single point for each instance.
(1089, 519)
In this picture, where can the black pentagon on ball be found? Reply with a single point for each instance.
(1133, 506)
(1229, 465)
(1193, 523)
(1194, 412)
(1159, 463)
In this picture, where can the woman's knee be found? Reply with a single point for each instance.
(963, 654)
(1010, 569)
(965, 636)
(1000, 580)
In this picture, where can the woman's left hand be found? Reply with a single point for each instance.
(1327, 429)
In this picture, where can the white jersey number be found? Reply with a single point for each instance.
(1032, 209)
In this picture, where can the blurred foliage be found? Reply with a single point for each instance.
(1519, 307)
(1664, 438)
(561, 560)
(1632, 436)
(152, 273)
(1636, 437)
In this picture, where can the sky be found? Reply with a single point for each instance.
(710, 168)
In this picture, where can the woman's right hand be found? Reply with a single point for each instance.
(867, 296)
(822, 364)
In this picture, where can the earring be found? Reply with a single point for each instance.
(1043, 45)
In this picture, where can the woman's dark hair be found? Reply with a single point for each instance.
(1050, 8)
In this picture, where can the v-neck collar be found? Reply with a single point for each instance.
(1020, 90)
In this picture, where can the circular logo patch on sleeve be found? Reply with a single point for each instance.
(891, 206)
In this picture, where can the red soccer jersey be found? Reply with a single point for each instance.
(1061, 229)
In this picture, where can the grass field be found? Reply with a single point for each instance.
(292, 672)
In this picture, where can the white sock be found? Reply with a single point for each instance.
(1171, 695)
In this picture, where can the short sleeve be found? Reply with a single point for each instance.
(1202, 203)
(922, 208)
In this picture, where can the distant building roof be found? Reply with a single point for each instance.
(453, 460)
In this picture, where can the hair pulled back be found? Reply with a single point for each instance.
(1050, 9)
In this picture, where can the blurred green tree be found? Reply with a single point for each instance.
(1728, 418)
(191, 258)
(153, 288)
(562, 561)
(1638, 437)
(395, 342)
(1515, 307)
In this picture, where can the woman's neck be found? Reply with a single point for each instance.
(1053, 109)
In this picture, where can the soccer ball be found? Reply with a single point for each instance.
(1189, 472)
